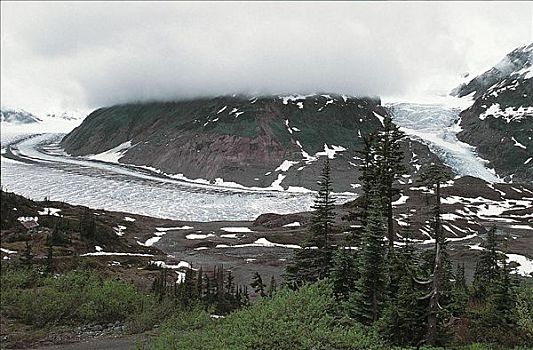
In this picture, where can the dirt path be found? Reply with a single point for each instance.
(121, 343)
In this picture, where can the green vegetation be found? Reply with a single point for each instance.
(300, 319)
(76, 297)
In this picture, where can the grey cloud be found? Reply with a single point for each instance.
(95, 54)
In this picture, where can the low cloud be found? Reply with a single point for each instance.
(71, 55)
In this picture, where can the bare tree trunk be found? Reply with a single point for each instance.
(431, 337)
(390, 228)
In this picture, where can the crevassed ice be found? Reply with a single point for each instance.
(437, 127)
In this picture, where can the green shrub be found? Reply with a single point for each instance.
(290, 320)
(76, 297)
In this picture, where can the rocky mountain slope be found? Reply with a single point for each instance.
(270, 142)
(500, 121)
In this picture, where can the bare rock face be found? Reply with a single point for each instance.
(269, 142)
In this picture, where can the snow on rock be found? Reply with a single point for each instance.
(236, 229)
(330, 152)
(293, 224)
(261, 242)
(113, 155)
(28, 218)
(7, 251)
(229, 235)
(286, 165)
(381, 118)
(199, 236)
(98, 248)
(276, 184)
(180, 265)
(525, 267)
(119, 230)
(450, 217)
(402, 200)
(115, 253)
(127, 218)
(164, 229)
(522, 227)
(509, 114)
(49, 211)
(518, 144)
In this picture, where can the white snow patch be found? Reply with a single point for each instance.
(115, 253)
(113, 155)
(127, 218)
(402, 200)
(7, 251)
(229, 235)
(119, 230)
(261, 242)
(525, 267)
(164, 229)
(518, 144)
(199, 236)
(49, 211)
(286, 165)
(293, 224)
(236, 229)
(381, 118)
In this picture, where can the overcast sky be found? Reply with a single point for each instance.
(65, 56)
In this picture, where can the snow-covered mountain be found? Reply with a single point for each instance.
(17, 116)
(18, 123)
(500, 121)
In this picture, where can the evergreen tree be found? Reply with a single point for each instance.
(230, 286)
(390, 168)
(366, 303)
(272, 288)
(49, 256)
(460, 292)
(200, 284)
(343, 273)
(487, 270)
(258, 285)
(323, 216)
(313, 262)
(27, 256)
(404, 318)
(435, 176)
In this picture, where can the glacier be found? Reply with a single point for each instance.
(437, 126)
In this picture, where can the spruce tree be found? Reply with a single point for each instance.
(389, 167)
(258, 285)
(487, 270)
(435, 176)
(273, 287)
(313, 261)
(49, 255)
(343, 273)
(366, 303)
(323, 216)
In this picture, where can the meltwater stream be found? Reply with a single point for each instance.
(437, 127)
